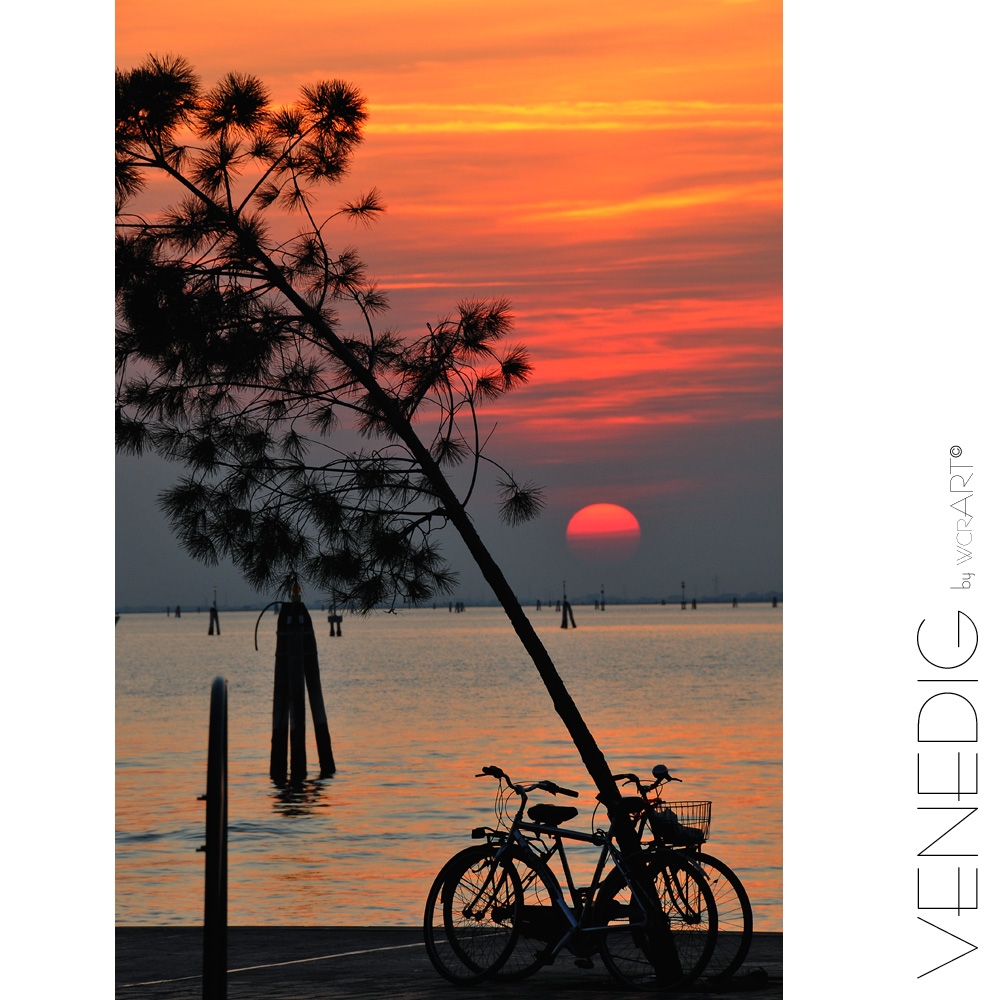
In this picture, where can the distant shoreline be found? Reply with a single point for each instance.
(442, 605)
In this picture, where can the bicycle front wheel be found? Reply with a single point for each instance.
(735, 917)
(541, 923)
(471, 916)
(636, 946)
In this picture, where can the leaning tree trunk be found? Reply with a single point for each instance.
(590, 753)
(662, 952)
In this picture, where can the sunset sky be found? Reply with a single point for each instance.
(618, 176)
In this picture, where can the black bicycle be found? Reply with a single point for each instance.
(498, 910)
(684, 826)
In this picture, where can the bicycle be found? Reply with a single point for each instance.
(684, 826)
(498, 910)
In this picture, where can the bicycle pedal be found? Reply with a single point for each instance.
(545, 957)
(584, 963)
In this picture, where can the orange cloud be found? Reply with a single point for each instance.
(616, 174)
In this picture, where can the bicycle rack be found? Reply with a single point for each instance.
(216, 799)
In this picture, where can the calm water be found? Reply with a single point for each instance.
(417, 702)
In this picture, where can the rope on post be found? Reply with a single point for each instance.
(216, 840)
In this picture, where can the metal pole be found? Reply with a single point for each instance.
(216, 839)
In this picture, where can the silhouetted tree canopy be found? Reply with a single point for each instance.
(314, 439)
(255, 357)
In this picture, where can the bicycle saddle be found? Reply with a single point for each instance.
(551, 815)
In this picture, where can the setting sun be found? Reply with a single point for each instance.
(603, 532)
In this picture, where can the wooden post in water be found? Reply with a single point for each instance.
(279, 710)
(334, 619)
(297, 700)
(567, 611)
(321, 727)
(296, 668)
(214, 628)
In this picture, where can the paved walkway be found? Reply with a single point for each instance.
(361, 963)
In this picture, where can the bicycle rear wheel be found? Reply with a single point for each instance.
(735, 917)
(632, 947)
(471, 916)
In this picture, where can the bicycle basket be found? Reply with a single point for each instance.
(682, 823)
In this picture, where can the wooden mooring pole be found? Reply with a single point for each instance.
(335, 620)
(214, 628)
(297, 702)
(320, 726)
(296, 670)
(567, 611)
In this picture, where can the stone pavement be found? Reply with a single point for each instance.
(361, 963)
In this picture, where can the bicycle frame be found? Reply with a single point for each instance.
(511, 841)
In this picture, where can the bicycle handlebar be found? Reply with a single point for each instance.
(660, 772)
(490, 771)
(550, 786)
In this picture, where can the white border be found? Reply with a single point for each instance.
(891, 215)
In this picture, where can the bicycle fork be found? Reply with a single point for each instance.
(492, 902)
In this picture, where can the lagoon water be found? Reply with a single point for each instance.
(417, 702)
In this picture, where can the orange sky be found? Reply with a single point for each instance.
(615, 174)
